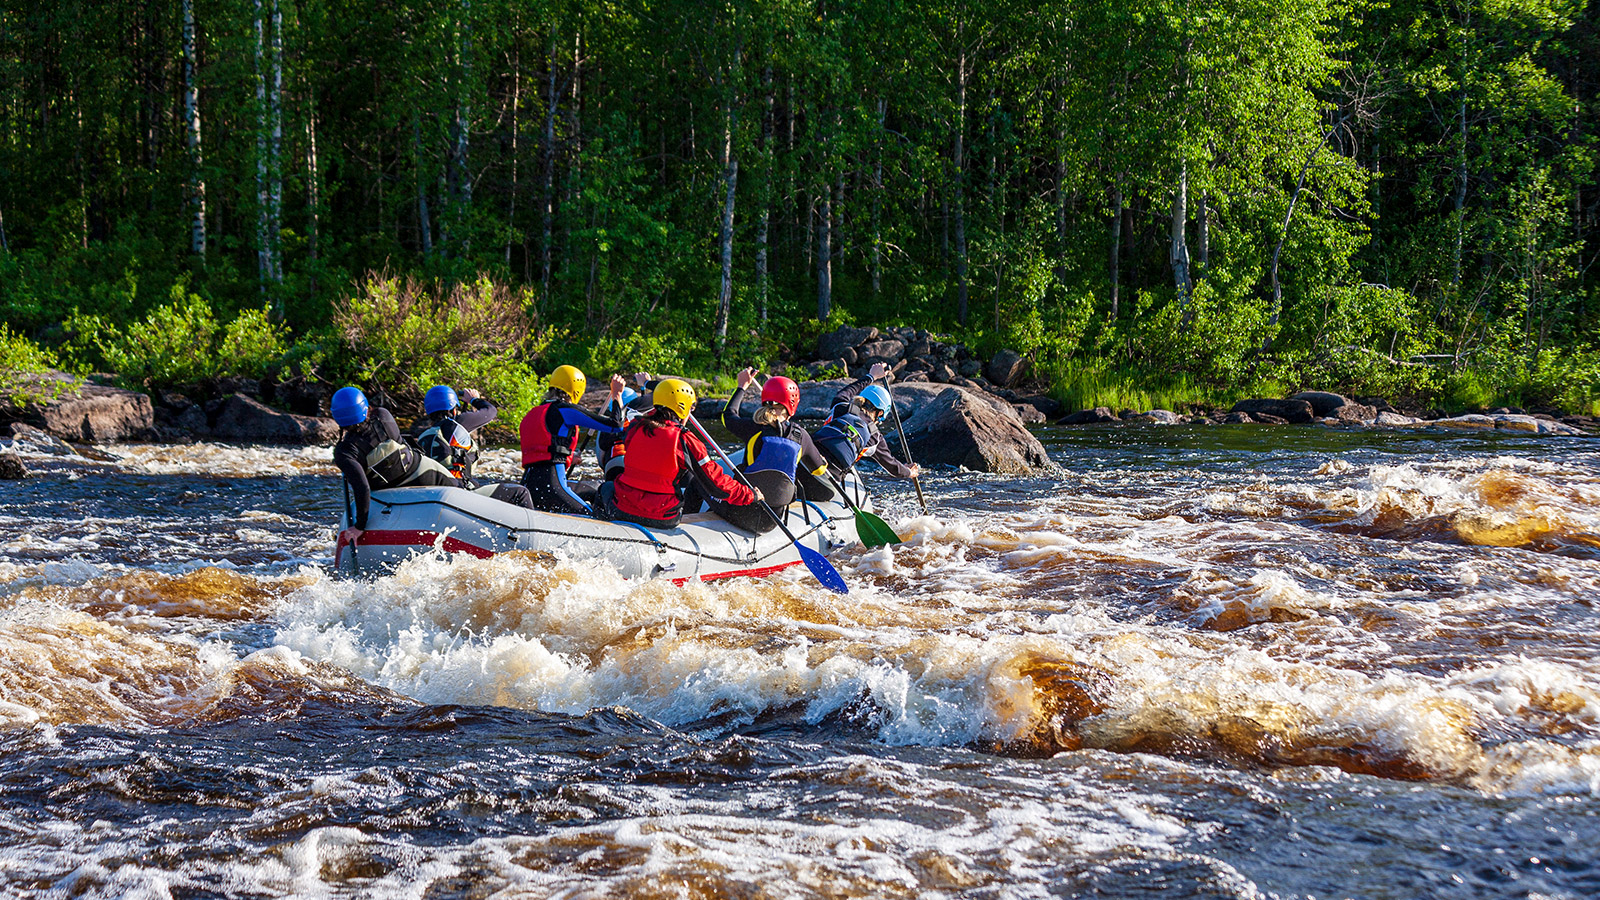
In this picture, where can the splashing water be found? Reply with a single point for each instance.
(1210, 663)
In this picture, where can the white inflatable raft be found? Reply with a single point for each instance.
(405, 521)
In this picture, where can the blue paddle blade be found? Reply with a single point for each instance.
(822, 569)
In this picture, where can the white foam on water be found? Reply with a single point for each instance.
(222, 459)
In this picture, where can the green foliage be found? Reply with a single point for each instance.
(179, 343)
(399, 336)
(637, 352)
(24, 368)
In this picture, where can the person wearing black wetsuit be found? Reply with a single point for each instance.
(448, 439)
(851, 432)
(780, 457)
(372, 455)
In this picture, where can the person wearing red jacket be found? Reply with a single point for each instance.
(663, 460)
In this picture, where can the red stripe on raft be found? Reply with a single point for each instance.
(453, 545)
(422, 538)
(738, 573)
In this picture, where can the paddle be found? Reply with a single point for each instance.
(873, 530)
(350, 519)
(815, 562)
(906, 451)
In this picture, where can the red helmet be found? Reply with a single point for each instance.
(781, 391)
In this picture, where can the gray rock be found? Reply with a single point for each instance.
(1030, 415)
(961, 428)
(242, 418)
(192, 420)
(1238, 418)
(1046, 405)
(11, 468)
(889, 351)
(1323, 403)
(1100, 415)
(1157, 417)
(1006, 367)
(28, 439)
(919, 348)
(833, 344)
(915, 377)
(970, 368)
(1354, 413)
(850, 355)
(90, 414)
(1395, 420)
(1473, 422)
(1297, 412)
(942, 373)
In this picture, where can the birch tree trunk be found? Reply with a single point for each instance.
(877, 202)
(263, 125)
(1178, 254)
(765, 215)
(313, 192)
(960, 177)
(824, 254)
(1116, 246)
(459, 177)
(275, 161)
(1203, 235)
(547, 212)
(730, 175)
(191, 120)
(424, 221)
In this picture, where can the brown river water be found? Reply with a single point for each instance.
(1193, 662)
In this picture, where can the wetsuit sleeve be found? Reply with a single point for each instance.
(743, 427)
(882, 456)
(482, 413)
(714, 482)
(574, 417)
(355, 474)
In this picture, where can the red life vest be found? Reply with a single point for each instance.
(651, 458)
(540, 444)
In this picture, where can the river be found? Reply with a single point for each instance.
(1194, 662)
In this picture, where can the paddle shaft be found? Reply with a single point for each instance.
(350, 522)
(906, 451)
(811, 559)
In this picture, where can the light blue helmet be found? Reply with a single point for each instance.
(348, 407)
(440, 398)
(628, 396)
(876, 397)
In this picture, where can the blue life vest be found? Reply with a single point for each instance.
(768, 453)
(847, 437)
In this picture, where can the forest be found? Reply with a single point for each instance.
(1162, 202)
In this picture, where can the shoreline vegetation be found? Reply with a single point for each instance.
(1155, 205)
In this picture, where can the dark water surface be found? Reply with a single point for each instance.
(1232, 662)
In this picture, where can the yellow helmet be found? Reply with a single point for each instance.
(675, 395)
(569, 380)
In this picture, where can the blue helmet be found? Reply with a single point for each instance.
(348, 407)
(875, 396)
(440, 398)
(628, 396)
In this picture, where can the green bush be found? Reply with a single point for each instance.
(22, 367)
(399, 337)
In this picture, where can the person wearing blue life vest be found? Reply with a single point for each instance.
(372, 455)
(549, 436)
(609, 449)
(851, 434)
(448, 438)
(779, 456)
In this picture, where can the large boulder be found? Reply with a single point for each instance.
(1353, 413)
(242, 418)
(1100, 415)
(833, 344)
(889, 350)
(1323, 403)
(11, 468)
(89, 413)
(28, 439)
(1297, 412)
(961, 428)
(1006, 367)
